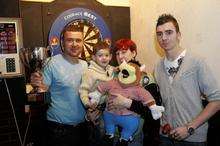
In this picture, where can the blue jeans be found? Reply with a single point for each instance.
(128, 123)
(137, 140)
(165, 141)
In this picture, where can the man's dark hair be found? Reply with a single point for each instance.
(164, 18)
(71, 27)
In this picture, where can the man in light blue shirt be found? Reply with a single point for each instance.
(61, 77)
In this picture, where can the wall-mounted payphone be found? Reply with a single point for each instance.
(10, 43)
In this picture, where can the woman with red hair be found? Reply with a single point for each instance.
(126, 50)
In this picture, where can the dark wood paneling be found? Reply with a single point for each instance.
(120, 22)
(32, 24)
(9, 8)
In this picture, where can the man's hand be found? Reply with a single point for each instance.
(179, 133)
(156, 111)
(37, 82)
(118, 102)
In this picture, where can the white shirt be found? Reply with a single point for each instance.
(173, 66)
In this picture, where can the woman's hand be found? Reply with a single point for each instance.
(118, 102)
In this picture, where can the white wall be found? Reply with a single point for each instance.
(199, 22)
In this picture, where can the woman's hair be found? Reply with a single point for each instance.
(99, 46)
(125, 44)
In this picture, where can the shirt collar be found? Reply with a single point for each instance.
(168, 64)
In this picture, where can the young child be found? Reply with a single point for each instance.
(98, 71)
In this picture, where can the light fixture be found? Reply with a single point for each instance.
(43, 1)
(120, 3)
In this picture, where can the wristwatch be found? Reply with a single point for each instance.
(190, 130)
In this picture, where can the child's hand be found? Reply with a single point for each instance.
(93, 116)
(93, 106)
(116, 69)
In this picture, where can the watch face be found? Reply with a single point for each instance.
(191, 130)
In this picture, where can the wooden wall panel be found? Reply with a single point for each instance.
(9, 8)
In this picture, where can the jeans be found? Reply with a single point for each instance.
(96, 133)
(138, 136)
(128, 123)
(138, 140)
(66, 135)
(165, 141)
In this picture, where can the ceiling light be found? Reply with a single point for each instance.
(120, 3)
(43, 1)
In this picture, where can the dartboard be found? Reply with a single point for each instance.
(94, 30)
